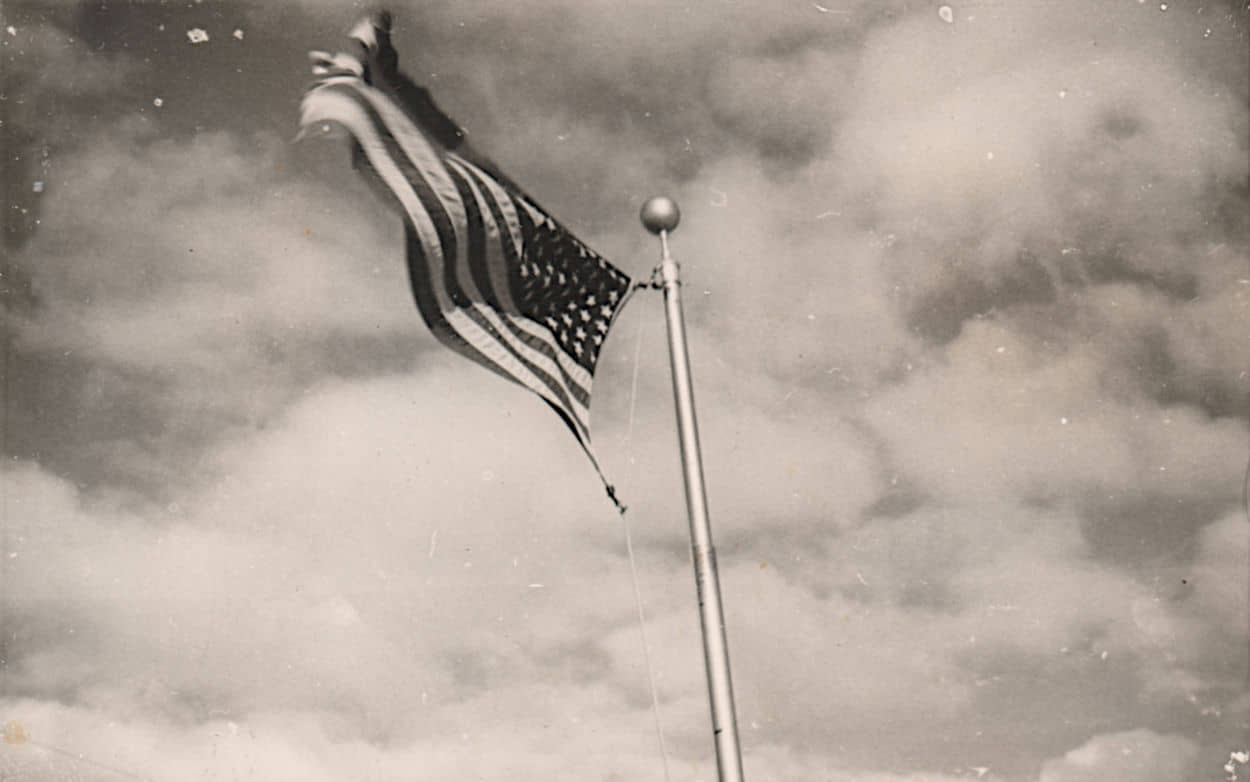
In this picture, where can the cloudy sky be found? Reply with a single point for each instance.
(968, 294)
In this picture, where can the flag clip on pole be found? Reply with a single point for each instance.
(660, 216)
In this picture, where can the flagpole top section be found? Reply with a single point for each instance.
(660, 215)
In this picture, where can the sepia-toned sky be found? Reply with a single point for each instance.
(968, 296)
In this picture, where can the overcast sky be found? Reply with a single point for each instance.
(968, 296)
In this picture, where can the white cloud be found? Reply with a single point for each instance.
(1139, 755)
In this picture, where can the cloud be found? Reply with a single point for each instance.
(256, 265)
(326, 576)
(52, 65)
(245, 554)
(74, 742)
(202, 301)
(46, 68)
(1138, 755)
(1025, 419)
(302, 591)
(1198, 634)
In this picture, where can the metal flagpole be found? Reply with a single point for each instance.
(660, 216)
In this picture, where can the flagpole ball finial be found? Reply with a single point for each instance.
(660, 214)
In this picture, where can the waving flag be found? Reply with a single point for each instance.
(494, 276)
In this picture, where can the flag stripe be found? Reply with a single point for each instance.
(480, 327)
(462, 286)
(533, 362)
(482, 232)
(547, 345)
(504, 212)
(551, 388)
(540, 355)
(540, 340)
(507, 254)
(336, 101)
(533, 333)
(348, 101)
(422, 170)
(494, 277)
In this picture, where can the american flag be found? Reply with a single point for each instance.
(494, 276)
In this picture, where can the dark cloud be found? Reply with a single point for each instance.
(198, 304)
(46, 69)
